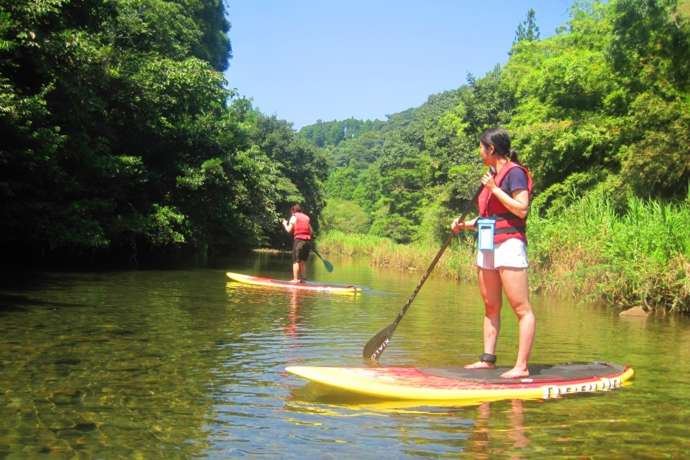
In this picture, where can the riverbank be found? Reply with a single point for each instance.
(640, 257)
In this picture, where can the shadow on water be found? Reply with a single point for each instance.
(19, 303)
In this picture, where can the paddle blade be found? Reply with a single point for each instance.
(328, 265)
(375, 346)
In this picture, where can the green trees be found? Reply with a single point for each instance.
(344, 216)
(650, 55)
(528, 29)
(332, 133)
(603, 103)
(119, 134)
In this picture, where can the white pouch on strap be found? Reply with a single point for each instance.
(485, 234)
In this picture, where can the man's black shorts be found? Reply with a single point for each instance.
(300, 250)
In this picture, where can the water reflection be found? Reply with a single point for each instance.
(181, 364)
(484, 429)
(487, 434)
(293, 314)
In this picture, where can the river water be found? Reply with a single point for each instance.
(180, 364)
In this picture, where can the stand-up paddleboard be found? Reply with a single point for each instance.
(305, 286)
(459, 384)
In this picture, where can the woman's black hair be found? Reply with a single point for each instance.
(500, 139)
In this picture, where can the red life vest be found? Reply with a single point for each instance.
(508, 225)
(301, 230)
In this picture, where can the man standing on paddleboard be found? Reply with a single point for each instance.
(302, 232)
(502, 248)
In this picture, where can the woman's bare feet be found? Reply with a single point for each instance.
(480, 365)
(515, 373)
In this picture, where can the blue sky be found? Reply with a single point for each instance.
(305, 60)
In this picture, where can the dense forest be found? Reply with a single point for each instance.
(603, 104)
(599, 113)
(120, 138)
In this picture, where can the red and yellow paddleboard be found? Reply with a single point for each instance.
(305, 286)
(409, 383)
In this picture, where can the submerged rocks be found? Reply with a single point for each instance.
(638, 311)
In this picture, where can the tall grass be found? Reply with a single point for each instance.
(636, 256)
(457, 262)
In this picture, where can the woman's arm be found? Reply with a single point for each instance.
(458, 225)
(518, 204)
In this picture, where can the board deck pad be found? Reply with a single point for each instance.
(538, 373)
(410, 383)
(283, 284)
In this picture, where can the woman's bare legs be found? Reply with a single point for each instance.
(516, 287)
(490, 288)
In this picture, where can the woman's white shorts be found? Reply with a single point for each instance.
(511, 253)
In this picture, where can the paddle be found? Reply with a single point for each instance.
(375, 346)
(327, 264)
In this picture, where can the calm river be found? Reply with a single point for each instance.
(179, 364)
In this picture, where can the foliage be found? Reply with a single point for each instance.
(606, 98)
(344, 216)
(527, 29)
(332, 133)
(638, 255)
(600, 109)
(119, 133)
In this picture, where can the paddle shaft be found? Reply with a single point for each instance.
(421, 282)
(429, 270)
(377, 344)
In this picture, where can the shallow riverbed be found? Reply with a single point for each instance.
(181, 363)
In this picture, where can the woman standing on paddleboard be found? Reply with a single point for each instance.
(501, 254)
(302, 232)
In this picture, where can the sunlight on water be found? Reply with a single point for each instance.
(166, 364)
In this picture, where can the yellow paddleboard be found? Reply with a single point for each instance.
(304, 286)
(409, 383)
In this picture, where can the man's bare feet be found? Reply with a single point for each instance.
(480, 365)
(515, 373)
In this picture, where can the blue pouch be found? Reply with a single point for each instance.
(485, 234)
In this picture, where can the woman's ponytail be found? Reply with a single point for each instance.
(513, 156)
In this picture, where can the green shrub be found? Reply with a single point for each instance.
(344, 216)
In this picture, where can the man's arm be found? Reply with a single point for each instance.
(289, 225)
